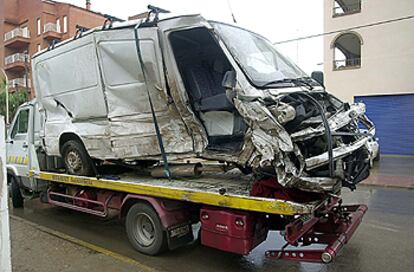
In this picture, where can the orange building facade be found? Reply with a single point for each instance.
(28, 26)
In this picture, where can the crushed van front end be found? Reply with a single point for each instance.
(309, 139)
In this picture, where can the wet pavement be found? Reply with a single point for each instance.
(383, 242)
(38, 250)
(393, 172)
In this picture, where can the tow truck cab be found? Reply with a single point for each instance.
(22, 140)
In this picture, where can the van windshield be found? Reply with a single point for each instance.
(257, 56)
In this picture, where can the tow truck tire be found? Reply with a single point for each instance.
(16, 195)
(76, 159)
(144, 229)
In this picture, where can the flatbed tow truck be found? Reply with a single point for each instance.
(231, 218)
(235, 211)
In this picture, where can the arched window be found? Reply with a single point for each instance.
(343, 7)
(347, 51)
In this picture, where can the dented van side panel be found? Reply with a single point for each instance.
(101, 96)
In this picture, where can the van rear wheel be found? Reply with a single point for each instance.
(76, 159)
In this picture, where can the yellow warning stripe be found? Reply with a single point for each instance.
(24, 160)
(257, 204)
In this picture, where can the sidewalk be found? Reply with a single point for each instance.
(392, 172)
(38, 249)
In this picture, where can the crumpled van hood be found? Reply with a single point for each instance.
(287, 136)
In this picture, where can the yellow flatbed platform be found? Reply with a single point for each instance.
(223, 190)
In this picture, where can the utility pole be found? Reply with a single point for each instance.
(7, 95)
(26, 73)
(231, 11)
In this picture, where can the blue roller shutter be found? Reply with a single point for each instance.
(393, 116)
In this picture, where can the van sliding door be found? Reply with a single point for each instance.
(132, 129)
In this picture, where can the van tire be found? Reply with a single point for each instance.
(16, 195)
(378, 157)
(150, 241)
(76, 159)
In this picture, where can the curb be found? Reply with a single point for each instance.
(387, 186)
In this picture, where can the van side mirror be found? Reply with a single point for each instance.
(229, 80)
(318, 77)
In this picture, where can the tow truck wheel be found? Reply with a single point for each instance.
(76, 159)
(144, 229)
(16, 195)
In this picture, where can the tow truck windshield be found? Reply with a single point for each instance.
(258, 58)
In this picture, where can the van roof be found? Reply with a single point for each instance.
(115, 25)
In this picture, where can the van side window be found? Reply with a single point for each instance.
(21, 124)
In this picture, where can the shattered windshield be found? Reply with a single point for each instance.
(257, 56)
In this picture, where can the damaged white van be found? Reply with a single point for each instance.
(159, 92)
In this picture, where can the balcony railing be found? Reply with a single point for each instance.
(19, 83)
(51, 27)
(346, 64)
(16, 58)
(347, 9)
(17, 32)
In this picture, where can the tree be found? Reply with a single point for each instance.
(15, 99)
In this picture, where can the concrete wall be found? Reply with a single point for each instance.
(387, 52)
(5, 261)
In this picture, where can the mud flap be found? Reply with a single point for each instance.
(179, 235)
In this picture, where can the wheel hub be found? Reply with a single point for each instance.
(74, 161)
(145, 230)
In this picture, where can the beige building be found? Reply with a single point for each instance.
(370, 60)
(373, 60)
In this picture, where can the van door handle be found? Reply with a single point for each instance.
(25, 145)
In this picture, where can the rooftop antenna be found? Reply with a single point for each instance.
(231, 11)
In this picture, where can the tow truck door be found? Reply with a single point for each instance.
(17, 145)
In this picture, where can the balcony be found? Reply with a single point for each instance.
(19, 84)
(17, 38)
(16, 63)
(346, 64)
(52, 32)
(346, 7)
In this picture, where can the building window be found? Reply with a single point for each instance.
(39, 31)
(344, 7)
(58, 25)
(65, 24)
(39, 47)
(347, 51)
(25, 31)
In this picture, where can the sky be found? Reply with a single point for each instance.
(277, 20)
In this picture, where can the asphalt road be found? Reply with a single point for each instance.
(383, 242)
